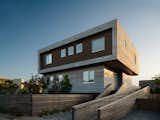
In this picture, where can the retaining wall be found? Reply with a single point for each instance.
(121, 107)
(57, 101)
(36, 103)
(88, 110)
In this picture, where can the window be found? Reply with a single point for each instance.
(60, 78)
(48, 59)
(63, 52)
(125, 43)
(85, 76)
(79, 48)
(98, 44)
(70, 50)
(51, 79)
(88, 76)
(135, 59)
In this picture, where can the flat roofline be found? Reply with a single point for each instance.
(81, 35)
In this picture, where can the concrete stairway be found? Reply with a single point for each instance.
(106, 92)
(91, 110)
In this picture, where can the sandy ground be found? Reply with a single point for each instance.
(58, 116)
(134, 115)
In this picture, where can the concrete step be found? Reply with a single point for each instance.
(88, 110)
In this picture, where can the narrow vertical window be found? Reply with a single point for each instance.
(63, 52)
(125, 43)
(135, 59)
(85, 76)
(91, 76)
(48, 59)
(79, 48)
(70, 50)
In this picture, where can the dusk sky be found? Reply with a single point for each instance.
(28, 25)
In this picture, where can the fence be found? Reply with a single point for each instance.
(34, 104)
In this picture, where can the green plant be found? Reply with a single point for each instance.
(24, 91)
(65, 84)
(8, 88)
(51, 112)
(33, 86)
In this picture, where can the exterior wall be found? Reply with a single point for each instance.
(108, 29)
(110, 77)
(36, 103)
(103, 77)
(76, 79)
(127, 79)
(126, 54)
(85, 55)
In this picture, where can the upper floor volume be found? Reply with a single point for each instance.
(107, 44)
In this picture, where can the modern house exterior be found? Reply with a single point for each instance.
(92, 59)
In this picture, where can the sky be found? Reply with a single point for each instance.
(28, 25)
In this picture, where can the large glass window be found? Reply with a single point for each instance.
(70, 50)
(63, 52)
(79, 48)
(88, 76)
(98, 44)
(48, 59)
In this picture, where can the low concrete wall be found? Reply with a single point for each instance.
(57, 101)
(36, 103)
(121, 107)
(88, 110)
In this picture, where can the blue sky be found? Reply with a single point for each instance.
(28, 25)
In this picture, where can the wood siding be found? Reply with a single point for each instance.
(85, 55)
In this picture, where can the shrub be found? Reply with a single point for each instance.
(65, 85)
(8, 88)
(23, 91)
(34, 86)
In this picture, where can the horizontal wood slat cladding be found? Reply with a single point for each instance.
(34, 104)
(85, 55)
